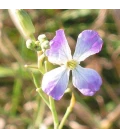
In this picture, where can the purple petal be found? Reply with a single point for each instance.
(87, 81)
(88, 43)
(55, 82)
(59, 51)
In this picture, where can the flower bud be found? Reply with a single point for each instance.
(42, 38)
(30, 44)
(45, 44)
(25, 21)
(37, 46)
(33, 45)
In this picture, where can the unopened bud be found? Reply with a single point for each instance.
(25, 21)
(42, 38)
(30, 44)
(33, 45)
(45, 45)
(37, 46)
(37, 43)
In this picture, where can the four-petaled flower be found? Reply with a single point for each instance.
(87, 81)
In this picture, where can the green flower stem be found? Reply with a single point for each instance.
(68, 111)
(46, 66)
(42, 94)
(39, 90)
(54, 113)
(52, 104)
(41, 57)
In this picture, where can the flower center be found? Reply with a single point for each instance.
(71, 64)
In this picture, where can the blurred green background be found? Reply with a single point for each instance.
(20, 104)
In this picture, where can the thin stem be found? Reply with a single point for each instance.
(68, 111)
(41, 93)
(39, 90)
(52, 103)
(41, 57)
(54, 113)
(46, 67)
(30, 66)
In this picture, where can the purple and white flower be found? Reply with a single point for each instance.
(87, 81)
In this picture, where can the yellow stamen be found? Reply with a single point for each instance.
(71, 64)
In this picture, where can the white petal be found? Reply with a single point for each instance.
(88, 43)
(55, 82)
(87, 81)
(59, 51)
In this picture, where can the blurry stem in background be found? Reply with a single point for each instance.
(110, 91)
(40, 113)
(82, 110)
(111, 118)
(101, 104)
(16, 95)
(100, 19)
(9, 45)
(68, 111)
